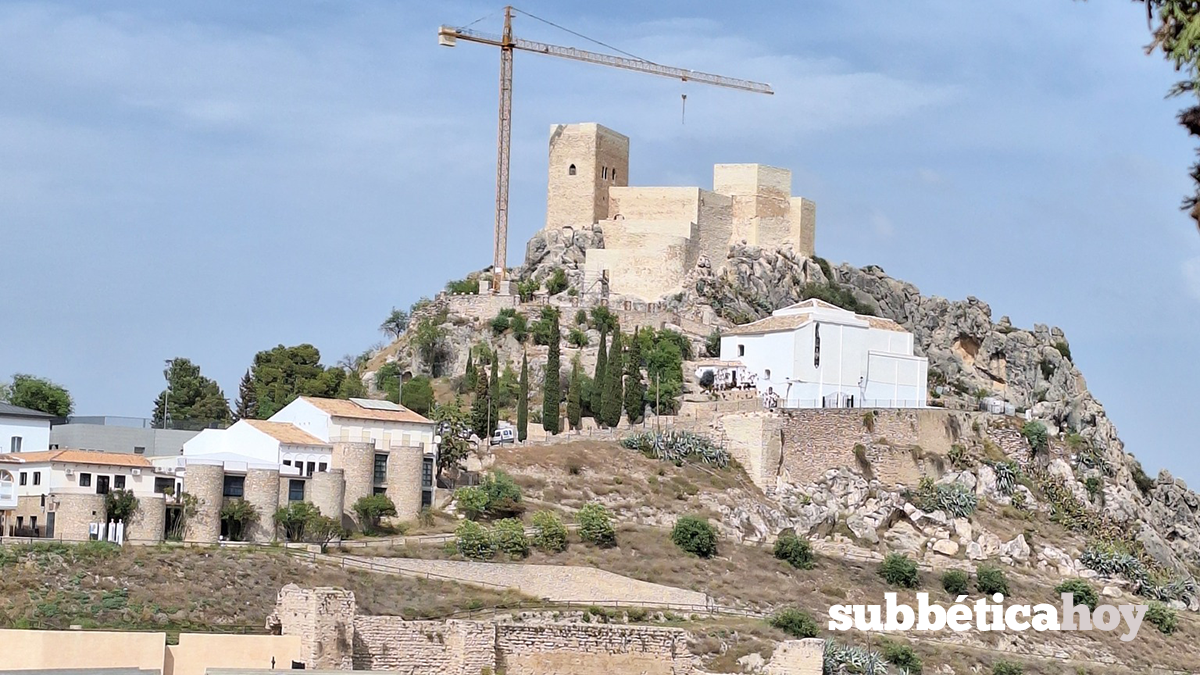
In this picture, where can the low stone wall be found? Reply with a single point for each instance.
(587, 649)
(423, 647)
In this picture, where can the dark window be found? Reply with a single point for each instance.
(101, 485)
(24, 478)
(604, 172)
(426, 498)
(235, 486)
(312, 466)
(139, 449)
(322, 467)
(164, 485)
(118, 482)
(15, 445)
(37, 477)
(571, 170)
(381, 468)
(43, 501)
(741, 350)
(20, 522)
(287, 462)
(33, 522)
(614, 174)
(377, 490)
(427, 472)
(85, 480)
(817, 346)
(295, 490)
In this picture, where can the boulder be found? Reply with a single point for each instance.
(947, 547)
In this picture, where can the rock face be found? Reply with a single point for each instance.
(564, 248)
(968, 352)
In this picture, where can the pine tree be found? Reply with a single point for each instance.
(635, 386)
(494, 394)
(574, 405)
(523, 401)
(247, 405)
(611, 407)
(551, 387)
(470, 377)
(597, 402)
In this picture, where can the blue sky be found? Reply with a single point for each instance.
(211, 179)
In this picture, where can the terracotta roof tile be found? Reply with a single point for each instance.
(285, 433)
(80, 457)
(771, 324)
(349, 409)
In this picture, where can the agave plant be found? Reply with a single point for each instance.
(677, 447)
(842, 659)
(1007, 474)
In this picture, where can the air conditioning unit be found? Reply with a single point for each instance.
(135, 472)
(70, 473)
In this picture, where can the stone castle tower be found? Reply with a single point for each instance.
(585, 160)
(655, 236)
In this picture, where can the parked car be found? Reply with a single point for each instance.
(504, 436)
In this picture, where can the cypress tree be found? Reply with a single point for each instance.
(574, 405)
(598, 380)
(635, 386)
(551, 387)
(479, 409)
(247, 405)
(523, 401)
(611, 407)
(470, 377)
(494, 394)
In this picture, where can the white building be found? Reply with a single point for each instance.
(261, 442)
(40, 476)
(360, 420)
(814, 354)
(23, 430)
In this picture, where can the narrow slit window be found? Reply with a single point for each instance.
(571, 170)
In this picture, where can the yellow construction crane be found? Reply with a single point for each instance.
(448, 36)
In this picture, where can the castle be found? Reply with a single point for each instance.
(655, 236)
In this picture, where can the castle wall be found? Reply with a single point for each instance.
(804, 223)
(799, 446)
(357, 461)
(74, 513)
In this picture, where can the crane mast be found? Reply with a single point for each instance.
(448, 36)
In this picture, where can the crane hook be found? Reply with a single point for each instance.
(683, 110)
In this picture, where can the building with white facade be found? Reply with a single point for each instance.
(816, 355)
(262, 442)
(23, 430)
(360, 420)
(45, 479)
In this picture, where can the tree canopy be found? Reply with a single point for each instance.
(38, 393)
(190, 400)
(282, 374)
(395, 323)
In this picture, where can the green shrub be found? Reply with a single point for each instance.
(238, 515)
(902, 656)
(371, 509)
(295, 519)
(712, 343)
(955, 499)
(695, 535)
(473, 541)
(1008, 668)
(581, 317)
(990, 579)
(1094, 485)
(1081, 592)
(549, 533)
(577, 338)
(1163, 617)
(795, 622)
(595, 525)
(508, 536)
(1035, 432)
(557, 282)
(1144, 483)
(955, 582)
(958, 456)
(496, 496)
(1064, 349)
(899, 570)
(795, 550)
(468, 285)
(120, 505)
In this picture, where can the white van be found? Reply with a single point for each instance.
(504, 435)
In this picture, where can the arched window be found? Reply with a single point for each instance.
(817, 346)
(571, 170)
(614, 174)
(604, 172)
(767, 373)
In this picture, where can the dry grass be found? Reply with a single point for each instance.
(193, 589)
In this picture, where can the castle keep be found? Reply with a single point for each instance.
(655, 236)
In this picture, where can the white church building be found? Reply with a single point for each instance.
(817, 355)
